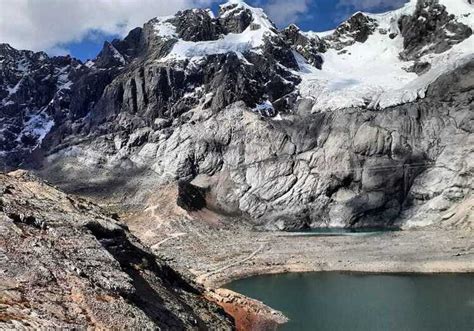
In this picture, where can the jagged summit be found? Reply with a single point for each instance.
(238, 7)
(5, 46)
(238, 28)
(382, 60)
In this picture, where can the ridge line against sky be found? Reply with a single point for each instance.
(80, 27)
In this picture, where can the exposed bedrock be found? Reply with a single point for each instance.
(66, 263)
(431, 29)
(352, 167)
(357, 28)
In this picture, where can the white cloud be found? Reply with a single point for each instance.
(284, 12)
(46, 24)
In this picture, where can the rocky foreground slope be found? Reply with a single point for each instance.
(65, 263)
(369, 124)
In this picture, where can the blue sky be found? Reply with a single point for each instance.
(80, 27)
(89, 46)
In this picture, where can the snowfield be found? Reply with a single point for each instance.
(372, 75)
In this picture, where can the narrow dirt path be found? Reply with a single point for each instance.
(233, 264)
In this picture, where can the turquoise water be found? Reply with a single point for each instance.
(347, 230)
(334, 232)
(337, 301)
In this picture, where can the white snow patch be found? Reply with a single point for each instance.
(277, 118)
(116, 54)
(462, 9)
(63, 83)
(38, 126)
(89, 64)
(197, 91)
(7, 103)
(265, 108)
(266, 105)
(316, 35)
(22, 65)
(210, 13)
(188, 49)
(163, 28)
(14, 89)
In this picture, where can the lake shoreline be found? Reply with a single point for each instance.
(261, 314)
(434, 263)
(221, 280)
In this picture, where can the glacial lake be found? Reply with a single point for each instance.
(346, 301)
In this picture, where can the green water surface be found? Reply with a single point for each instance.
(338, 301)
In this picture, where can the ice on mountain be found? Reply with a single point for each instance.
(462, 9)
(37, 127)
(251, 39)
(7, 103)
(89, 64)
(63, 83)
(14, 89)
(163, 28)
(371, 74)
(265, 109)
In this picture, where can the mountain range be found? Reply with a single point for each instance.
(367, 125)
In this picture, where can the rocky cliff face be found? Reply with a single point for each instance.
(65, 263)
(33, 88)
(430, 29)
(289, 129)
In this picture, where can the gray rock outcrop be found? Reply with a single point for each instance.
(66, 263)
(430, 29)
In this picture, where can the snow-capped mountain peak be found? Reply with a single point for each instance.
(382, 60)
(238, 28)
(236, 7)
(371, 60)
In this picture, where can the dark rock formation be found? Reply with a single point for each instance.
(356, 29)
(234, 18)
(430, 29)
(110, 57)
(197, 25)
(309, 48)
(35, 92)
(191, 197)
(419, 67)
(339, 168)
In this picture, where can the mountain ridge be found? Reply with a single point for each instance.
(144, 106)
